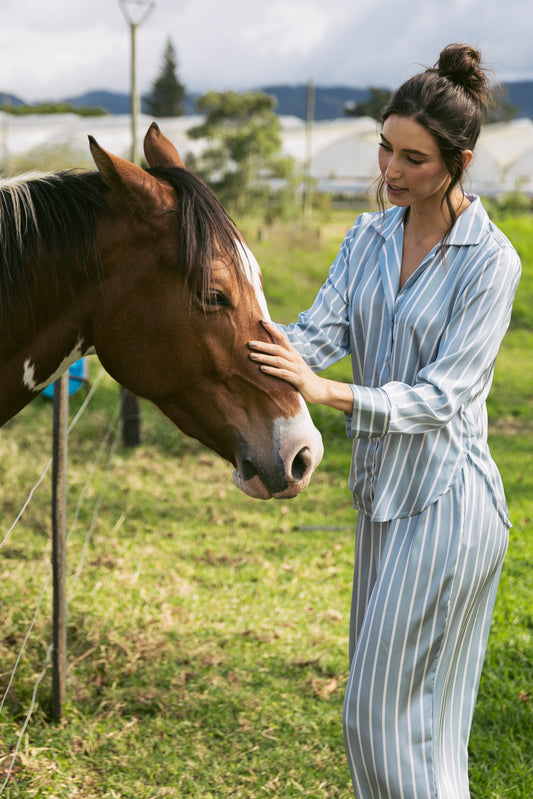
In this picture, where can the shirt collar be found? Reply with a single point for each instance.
(388, 222)
(468, 229)
(471, 225)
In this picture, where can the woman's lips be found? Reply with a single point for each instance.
(395, 189)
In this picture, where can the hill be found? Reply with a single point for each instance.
(117, 102)
(329, 102)
(291, 100)
(10, 99)
(112, 102)
(520, 95)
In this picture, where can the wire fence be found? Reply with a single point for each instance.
(101, 464)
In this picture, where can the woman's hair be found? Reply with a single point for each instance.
(450, 101)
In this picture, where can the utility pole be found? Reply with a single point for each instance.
(135, 13)
(135, 17)
(307, 192)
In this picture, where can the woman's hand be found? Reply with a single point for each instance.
(280, 359)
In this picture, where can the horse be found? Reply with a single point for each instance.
(145, 269)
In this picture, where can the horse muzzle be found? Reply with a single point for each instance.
(286, 470)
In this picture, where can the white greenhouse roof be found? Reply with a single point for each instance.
(343, 152)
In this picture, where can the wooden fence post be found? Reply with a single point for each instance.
(59, 531)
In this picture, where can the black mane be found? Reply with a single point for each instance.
(55, 212)
(59, 212)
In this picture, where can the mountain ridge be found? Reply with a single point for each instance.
(330, 102)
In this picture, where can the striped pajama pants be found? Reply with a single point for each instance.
(423, 597)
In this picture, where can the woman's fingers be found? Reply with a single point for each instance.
(264, 346)
(279, 340)
(273, 359)
(273, 330)
(280, 359)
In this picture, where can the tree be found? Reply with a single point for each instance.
(167, 98)
(372, 107)
(243, 159)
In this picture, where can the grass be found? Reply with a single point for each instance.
(207, 637)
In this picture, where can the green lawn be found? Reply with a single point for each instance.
(207, 639)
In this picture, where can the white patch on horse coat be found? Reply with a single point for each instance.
(296, 437)
(28, 374)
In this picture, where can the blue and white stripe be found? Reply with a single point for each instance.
(433, 530)
(423, 597)
(422, 357)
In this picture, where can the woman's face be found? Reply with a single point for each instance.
(411, 164)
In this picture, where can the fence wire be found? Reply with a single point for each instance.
(110, 441)
(73, 423)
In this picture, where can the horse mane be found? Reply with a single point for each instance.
(54, 212)
(59, 213)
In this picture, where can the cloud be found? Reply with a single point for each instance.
(64, 48)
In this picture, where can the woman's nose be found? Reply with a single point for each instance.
(393, 168)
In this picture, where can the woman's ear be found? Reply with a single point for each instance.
(467, 158)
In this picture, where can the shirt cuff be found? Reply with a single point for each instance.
(371, 413)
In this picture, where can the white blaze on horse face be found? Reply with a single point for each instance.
(253, 272)
(299, 443)
(28, 373)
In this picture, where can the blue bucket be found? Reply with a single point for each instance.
(77, 377)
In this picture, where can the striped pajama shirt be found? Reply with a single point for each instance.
(432, 527)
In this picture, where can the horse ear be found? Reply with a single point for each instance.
(159, 150)
(140, 191)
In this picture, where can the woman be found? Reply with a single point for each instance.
(420, 295)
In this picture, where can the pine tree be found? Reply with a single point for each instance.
(167, 98)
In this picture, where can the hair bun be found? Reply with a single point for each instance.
(461, 64)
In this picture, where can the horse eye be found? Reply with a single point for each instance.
(214, 298)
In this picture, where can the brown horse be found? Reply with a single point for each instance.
(146, 269)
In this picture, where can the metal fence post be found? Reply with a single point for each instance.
(59, 527)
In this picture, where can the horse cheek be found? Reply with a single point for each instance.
(138, 349)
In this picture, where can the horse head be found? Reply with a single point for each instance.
(181, 297)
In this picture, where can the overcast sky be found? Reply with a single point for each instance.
(51, 49)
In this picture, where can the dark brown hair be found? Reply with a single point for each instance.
(450, 101)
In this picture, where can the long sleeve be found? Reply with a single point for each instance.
(322, 334)
(422, 356)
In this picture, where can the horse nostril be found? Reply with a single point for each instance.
(300, 465)
(283, 476)
(248, 469)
